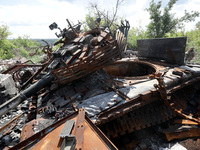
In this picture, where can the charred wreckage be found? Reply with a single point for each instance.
(88, 94)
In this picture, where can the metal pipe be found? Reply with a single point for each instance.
(72, 28)
(19, 98)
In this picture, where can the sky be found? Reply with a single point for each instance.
(33, 17)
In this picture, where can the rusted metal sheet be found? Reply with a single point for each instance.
(39, 135)
(10, 122)
(84, 130)
(28, 129)
(185, 121)
(80, 129)
(187, 132)
(170, 50)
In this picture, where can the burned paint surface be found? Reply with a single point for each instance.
(84, 130)
(170, 50)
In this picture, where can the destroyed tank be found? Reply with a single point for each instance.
(79, 55)
(120, 95)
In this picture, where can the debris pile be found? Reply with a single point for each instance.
(86, 83)
(5, 64)
(7, 86)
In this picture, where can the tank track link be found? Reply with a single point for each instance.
(149, 115)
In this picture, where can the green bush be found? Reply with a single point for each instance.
(6, 46)
(23, 52)
(24, 46)
(6, 49)
(134, 35)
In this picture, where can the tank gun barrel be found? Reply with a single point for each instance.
(19, 98)
(78, 56)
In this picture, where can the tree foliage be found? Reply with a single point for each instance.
(134, 35)
(20, 46)
(5, 45)
(25, 41)
(198, 25)
(24, 45)
(163, 22)
(4, 32)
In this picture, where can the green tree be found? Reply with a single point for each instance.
(4, 32)
(20, 46)
(135, 33)
(25, 42)
(198, 25)
(163, 22)
(24, 45)
(5, 45)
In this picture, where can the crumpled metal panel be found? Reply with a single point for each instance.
(134, 90)
(99, 103)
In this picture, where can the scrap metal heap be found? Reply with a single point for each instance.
(87, 74)
(78, 56)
